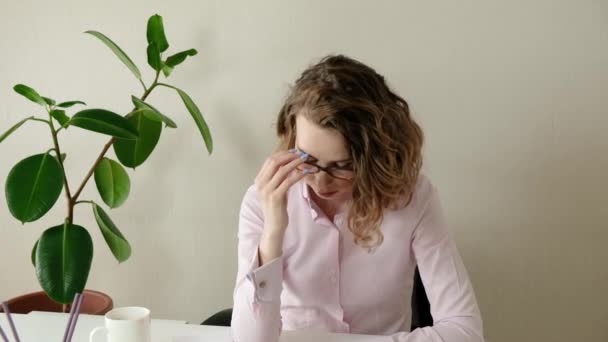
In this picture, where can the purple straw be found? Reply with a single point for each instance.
(10, 321)
(76, 314)
(70, 317)
(3, 335)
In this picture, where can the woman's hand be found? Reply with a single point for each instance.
(272, 183)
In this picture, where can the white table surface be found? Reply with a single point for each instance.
(49, 327)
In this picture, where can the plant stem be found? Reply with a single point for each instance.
(154, 84)
(143, 85)
(166, 85)
(65, 178)
(92, 170)
(107, 146)
(41, 120)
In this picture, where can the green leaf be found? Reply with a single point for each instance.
(14, 128)
(151, 112)
(105, 122)
(48, 101)
(63, 261)
(118, 52)
(60, 116)
(30, 94)
(179, 57)
(112, 182)
(156, 33)
(198, 118)
(154, 57)
(33, 186)
(34, 253)
(68, 104)
(133, 153)
(116, 241)
(167, 70)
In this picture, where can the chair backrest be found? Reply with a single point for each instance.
(421, 309)
(222, 318)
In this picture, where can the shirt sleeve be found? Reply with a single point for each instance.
(456, 316)
(257, 294)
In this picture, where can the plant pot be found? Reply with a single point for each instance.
(94, 303)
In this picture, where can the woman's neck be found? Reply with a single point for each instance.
(330, 207)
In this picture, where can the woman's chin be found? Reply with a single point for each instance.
(327, 195)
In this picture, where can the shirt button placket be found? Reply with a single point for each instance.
(334, 270)
(333, 276)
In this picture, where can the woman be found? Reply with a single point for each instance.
(338, 218)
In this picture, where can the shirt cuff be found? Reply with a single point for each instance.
(267, 280)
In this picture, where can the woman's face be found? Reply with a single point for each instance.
(326, 148)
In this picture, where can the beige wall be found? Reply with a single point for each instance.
(511, 95)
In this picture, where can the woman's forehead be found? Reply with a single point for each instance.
(321, 143)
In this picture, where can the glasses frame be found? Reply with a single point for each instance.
(328, 171)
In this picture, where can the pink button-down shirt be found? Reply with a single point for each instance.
(323, 281)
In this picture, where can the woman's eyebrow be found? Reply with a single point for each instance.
(309, 156)
(316, 159)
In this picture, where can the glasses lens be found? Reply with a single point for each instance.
(310, 168)
(343, 174)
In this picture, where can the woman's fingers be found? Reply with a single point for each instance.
(291, 179)
(284, 171)
(272, 164)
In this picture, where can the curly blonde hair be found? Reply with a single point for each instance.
(384, 142)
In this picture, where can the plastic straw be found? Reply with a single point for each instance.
(3, 335)
(70, 318)
(10, 321)
(75, 319)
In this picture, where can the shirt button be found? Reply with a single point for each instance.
(262, 284)
(333, 279)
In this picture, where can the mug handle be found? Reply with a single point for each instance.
(95, 331)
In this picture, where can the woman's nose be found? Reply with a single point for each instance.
(322, 178)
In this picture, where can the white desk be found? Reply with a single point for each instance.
(49, 327)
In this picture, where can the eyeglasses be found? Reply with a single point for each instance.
(343, 173)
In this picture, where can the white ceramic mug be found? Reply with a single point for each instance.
(128, 324)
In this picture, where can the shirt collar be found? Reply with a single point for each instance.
(314, 209)
(311, 205)
(305, 191)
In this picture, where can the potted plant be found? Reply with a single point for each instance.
(62, 255)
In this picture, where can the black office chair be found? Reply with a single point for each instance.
(421, 309)
(222, 318)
